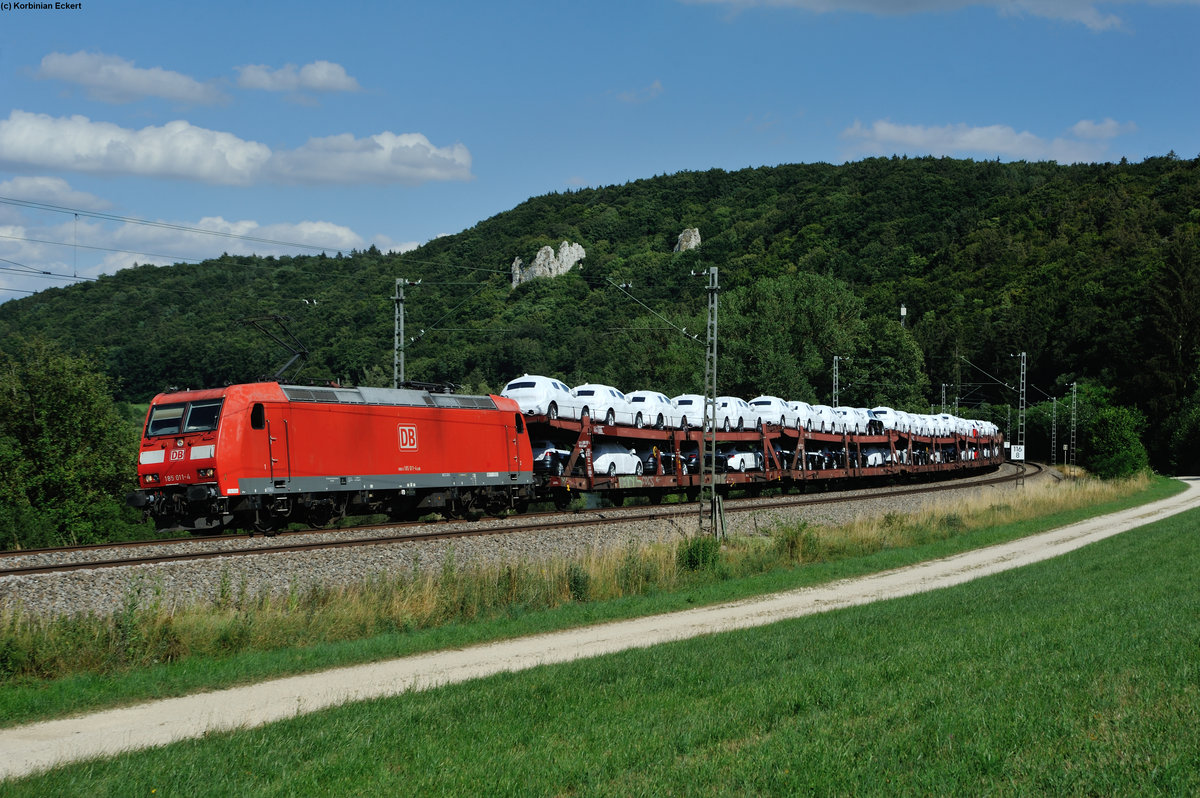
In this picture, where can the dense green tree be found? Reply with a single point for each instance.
(1092, 269)
(778, 336)
(1116, 448)
(66, 454)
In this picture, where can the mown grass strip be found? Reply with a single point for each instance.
(1078, 675)
(239, 639)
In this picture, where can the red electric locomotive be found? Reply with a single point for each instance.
(264, 455)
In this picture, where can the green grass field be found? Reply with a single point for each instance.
(1076, 676)
(81, 663)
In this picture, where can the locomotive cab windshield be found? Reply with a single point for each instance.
(174, 419)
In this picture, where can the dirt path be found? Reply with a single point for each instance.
(35, 747)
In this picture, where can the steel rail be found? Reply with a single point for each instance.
(614, 515)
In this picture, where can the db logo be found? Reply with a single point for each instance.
(177, 454)
(408, 437)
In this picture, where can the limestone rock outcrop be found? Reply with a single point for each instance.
(547, 263)
(688, 239)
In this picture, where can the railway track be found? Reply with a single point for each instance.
(67, 559)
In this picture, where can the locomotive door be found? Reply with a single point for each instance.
(514, 448)
(275, 451)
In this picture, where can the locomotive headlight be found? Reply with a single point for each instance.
(206, 473)
(150, 479)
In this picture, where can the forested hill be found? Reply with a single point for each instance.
(1092, 270)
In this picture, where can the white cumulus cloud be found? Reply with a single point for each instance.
(642, 95)
(1107, 129)
(111, 78)
(317, 76)
(181, 150)
(174, 150)
(407, 158)
(52, 191)
(883, 137)
(1083, 12)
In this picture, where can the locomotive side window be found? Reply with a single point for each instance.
(520, 424)
(258, 416)
(202, 416)
(165, 420)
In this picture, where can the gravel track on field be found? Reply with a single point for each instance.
(34, 747)
(106, 590)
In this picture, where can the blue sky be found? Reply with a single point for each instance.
(292, 127)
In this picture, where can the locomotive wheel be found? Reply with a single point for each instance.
(552, 411)
(265, 524)
(321, 514)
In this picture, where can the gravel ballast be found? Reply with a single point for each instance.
(107, 590)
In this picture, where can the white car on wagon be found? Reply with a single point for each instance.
(691, 410)
(854, 419)
(655, 408)
(733, 413)
(804, 414)
(826, 419)
(609, 457)
(773, 410)
(542, 396)
(604, 403)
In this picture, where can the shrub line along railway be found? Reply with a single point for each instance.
(265, 455)
(336, 539)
